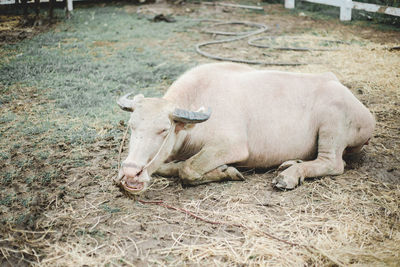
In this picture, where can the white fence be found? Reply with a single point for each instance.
(347, 5)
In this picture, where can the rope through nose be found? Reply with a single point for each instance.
(120, 152)
(161, 147)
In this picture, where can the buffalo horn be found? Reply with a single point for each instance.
(187, 116)
(128, 104)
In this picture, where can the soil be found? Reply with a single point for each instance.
(83, 219)
(14, 29)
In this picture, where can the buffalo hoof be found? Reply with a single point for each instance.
(288, 164)
(233, 174)
(284, 182)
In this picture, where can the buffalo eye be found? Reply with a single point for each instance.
(163, 131)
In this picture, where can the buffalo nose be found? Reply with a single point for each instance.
(131, 169)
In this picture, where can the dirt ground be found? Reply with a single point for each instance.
(73, 214)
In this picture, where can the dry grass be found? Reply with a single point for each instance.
(328, 222)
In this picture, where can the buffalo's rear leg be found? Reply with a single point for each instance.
(296, 174)
(331, 145)
(209, 165)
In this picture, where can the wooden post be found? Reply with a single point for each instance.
(69, 8)
(345, 10)
(69, 5)
(289, 3)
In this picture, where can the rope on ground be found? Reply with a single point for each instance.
(121, 147)
(261, 28)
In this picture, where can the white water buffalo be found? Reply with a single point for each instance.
(260, 118)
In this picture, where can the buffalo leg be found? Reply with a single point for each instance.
(223, 172)
(209, 165)
(288, 164)
(170, 169)
(328, 162)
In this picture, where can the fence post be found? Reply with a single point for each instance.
(69, 5)
(345, 10)
(289, 3)
(68, 9)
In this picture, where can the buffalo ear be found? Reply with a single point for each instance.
(186, 116)
(127, 104)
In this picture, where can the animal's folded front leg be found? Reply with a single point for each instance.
(222, 173)
(170, 169)
(209, 165)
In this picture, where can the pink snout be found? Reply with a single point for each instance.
(134, 178)
(131, 169)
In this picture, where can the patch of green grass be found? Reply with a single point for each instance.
(21, 163)
(47, 177)
(7, 178)
(4, 155)
(43, 155)
(25, 219)
(93, 233)
(30, 179)
(7, 200)
(76, 72)
(16, 146)
(25, 201)
(8, 117)
(110, 209)
(85, 64)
